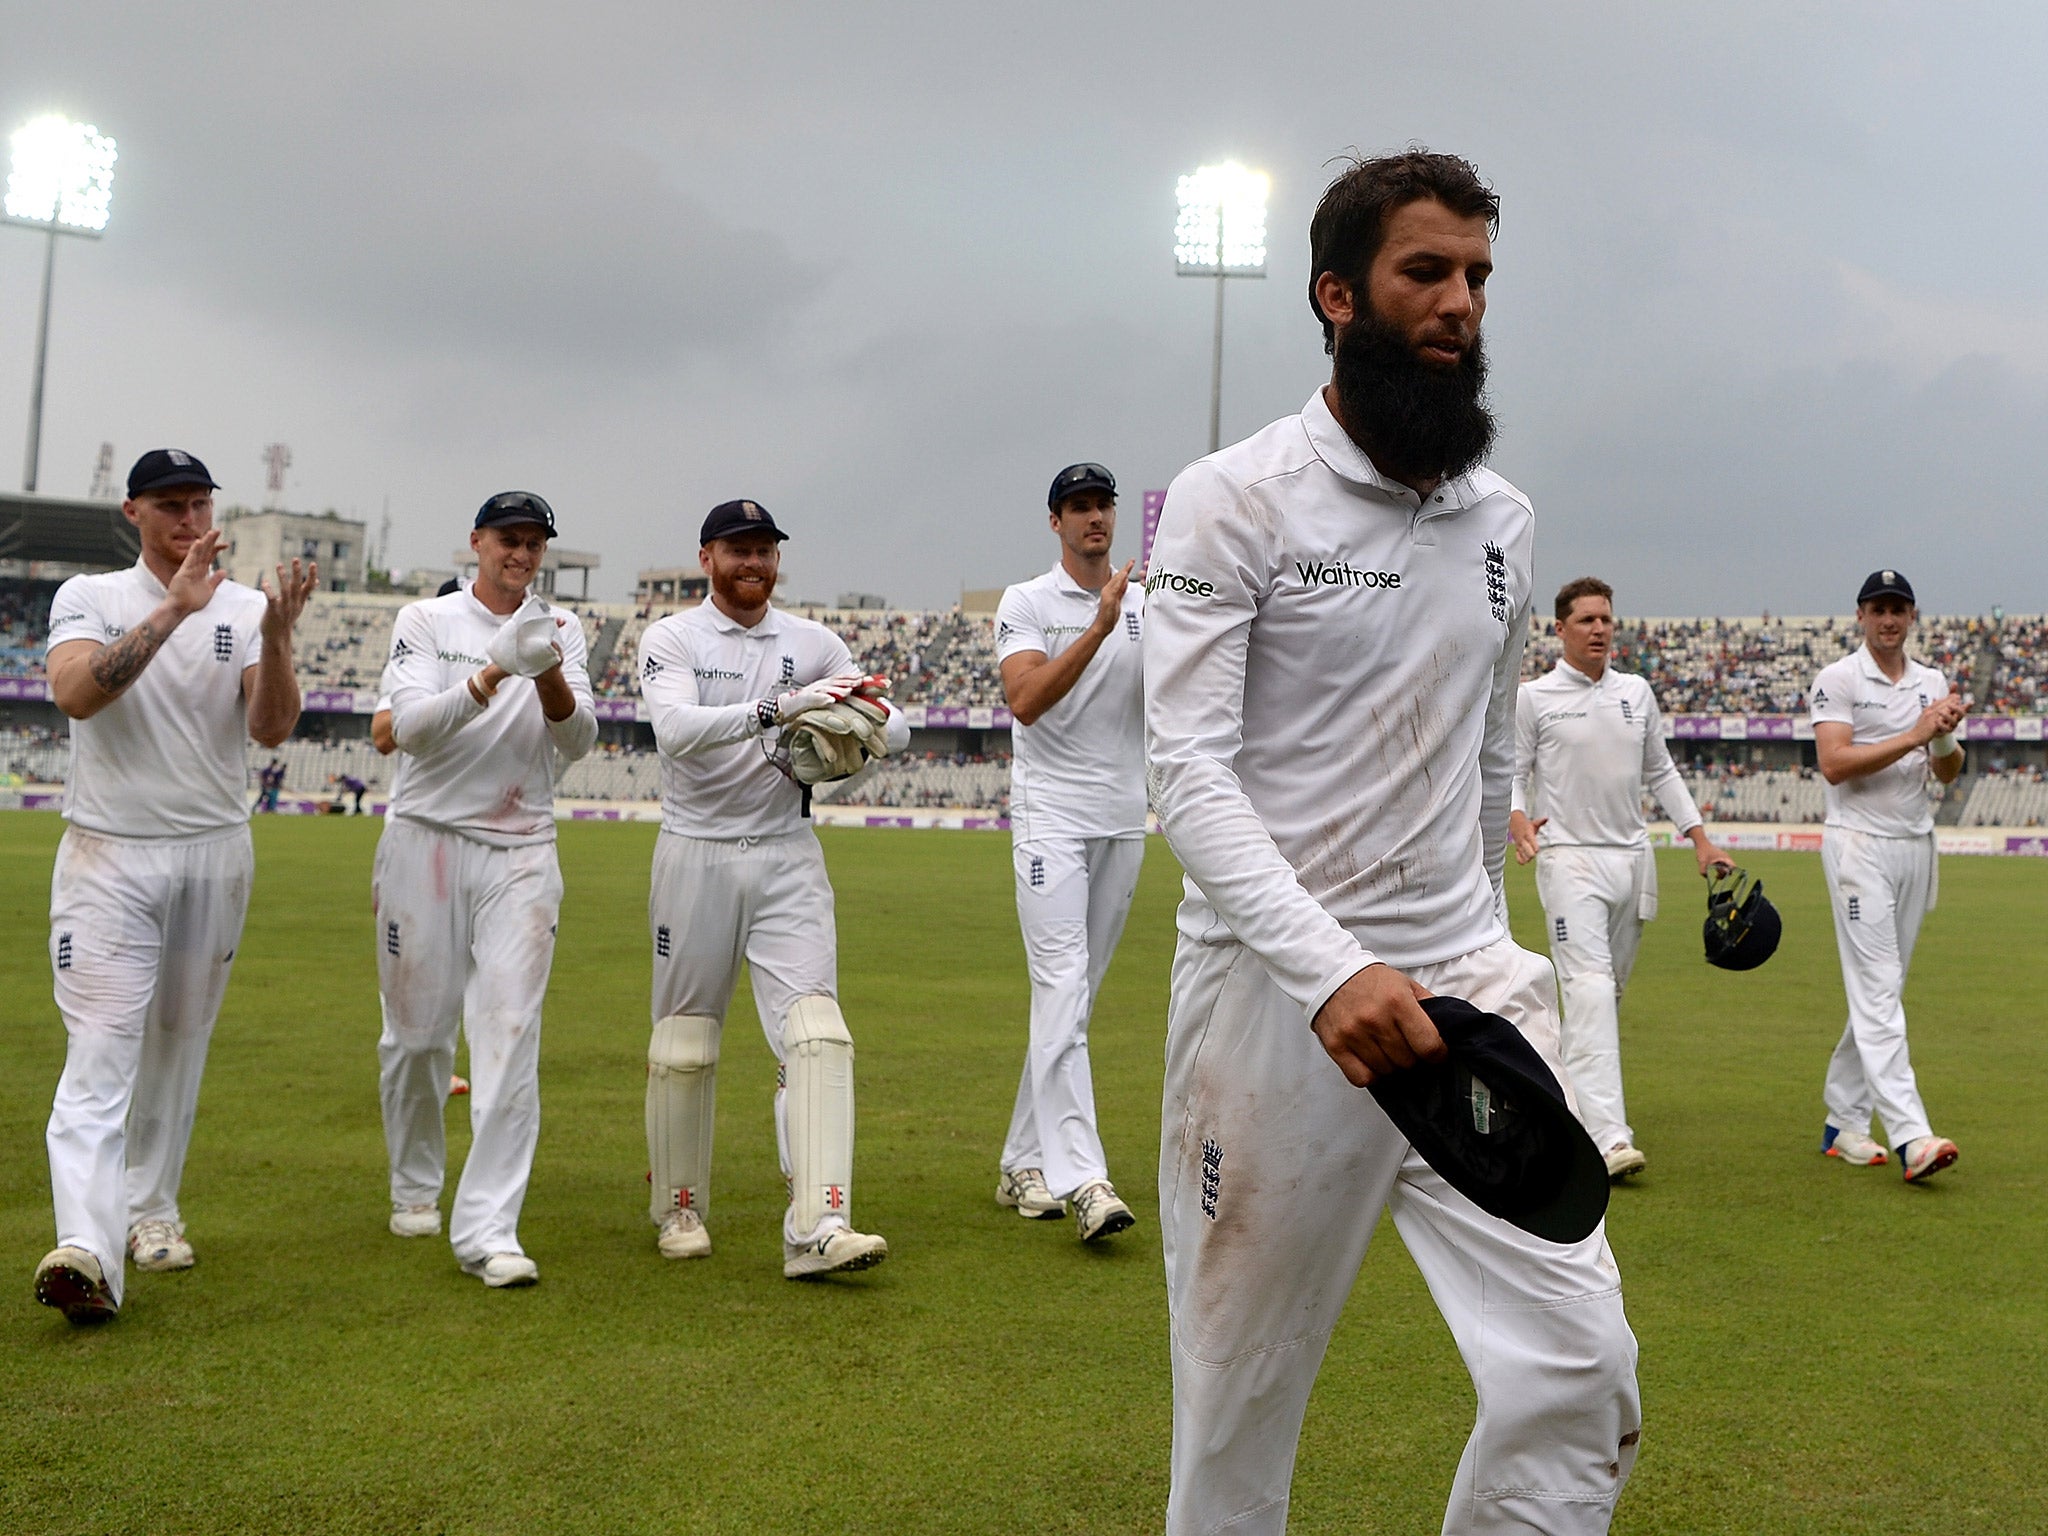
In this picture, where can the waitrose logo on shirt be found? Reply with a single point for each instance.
(1335, 573)
(1173, 581)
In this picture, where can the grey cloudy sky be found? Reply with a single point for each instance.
(1769, 305)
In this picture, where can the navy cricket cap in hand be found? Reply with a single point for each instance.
(1492, 1119)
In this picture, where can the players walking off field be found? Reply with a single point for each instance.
(750, 706)
(1069, 643)
(489, 696)
(1882, 723)
(1335, 616)
(166, 670)
(1589, 744)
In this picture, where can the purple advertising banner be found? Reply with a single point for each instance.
(23, 688)
(615, 709)
(940, 717)
(1990, 728)
(1154, 502)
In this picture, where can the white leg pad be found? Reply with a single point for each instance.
(682, 1082)
(818, 1058)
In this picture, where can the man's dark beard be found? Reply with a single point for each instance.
(1415, 419)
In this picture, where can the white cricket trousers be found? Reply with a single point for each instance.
(1591, 898)
(1881, 888)
(1273, 1171)
(713, 903)
(1073, 895)
(142, 938)
(465, 934)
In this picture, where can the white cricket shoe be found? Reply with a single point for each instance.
(836, 1250)
(1853, 1147)
(1025, 1189)
(1099, 1213)
(415, 1220)
(157, 1245)
(71, 1280)
(502, 1270)
(1623, 1160)
(683, 1236)
(1925, 1155)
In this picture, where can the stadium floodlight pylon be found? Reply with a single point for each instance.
(1221, 233)
(61, 181)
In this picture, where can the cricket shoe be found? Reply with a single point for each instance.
(835, 1251)
(1098, 1212)
(1025, 1189)
(71, 1280)
(1853, 1147)
(157, 1245)
(1623, 1160)
(503, 1270)
(1926, 1155)
(415, 1220)
(683, 1236)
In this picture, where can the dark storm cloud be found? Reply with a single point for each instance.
(1765, 296)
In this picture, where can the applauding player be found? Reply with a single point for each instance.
(1073, 671)
(489, 695)
(1588, 742)
(165, 669)
(1882, 724)
(739, 875)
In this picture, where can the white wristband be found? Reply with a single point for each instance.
(1943, 746)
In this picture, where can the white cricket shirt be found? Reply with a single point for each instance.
(702, 674)
(1585, 752)
(1330, 671)
(1893, 802)
(1078, 770)
(167, 758)
(485, 771)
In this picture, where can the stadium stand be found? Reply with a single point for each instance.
(932, 779)
(967, 672)
(1736, 794)
(2018, 798)
(24, 625)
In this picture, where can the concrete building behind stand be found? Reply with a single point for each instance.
(259, 542)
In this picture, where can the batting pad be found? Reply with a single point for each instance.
(682, 1081)
(818, 1061)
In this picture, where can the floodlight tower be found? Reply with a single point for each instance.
(1221, 233)
(62, 182)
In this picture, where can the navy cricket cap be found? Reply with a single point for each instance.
(1885, 584)
(731, 518)
(1076, 478)
(161, 468)
(508, 507)
(1493, 1121)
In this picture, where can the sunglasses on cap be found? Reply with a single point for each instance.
(516, 507)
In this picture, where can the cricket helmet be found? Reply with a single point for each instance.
(1743, 928)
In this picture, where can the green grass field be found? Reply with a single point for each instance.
(1823, 1349)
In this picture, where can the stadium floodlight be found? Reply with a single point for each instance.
(1221, 233)
(61, 182)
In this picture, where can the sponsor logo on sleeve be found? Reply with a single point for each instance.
(1820, 697)
(400, 648)
(1174, 581)
(650, 668)
(1338, 573)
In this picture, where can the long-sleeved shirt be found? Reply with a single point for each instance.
(1586, 750)
(485, 771)
(703, 676)
(1330, 671)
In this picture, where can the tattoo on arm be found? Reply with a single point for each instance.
(115, 666)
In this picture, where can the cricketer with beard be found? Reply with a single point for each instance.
(1331, 759)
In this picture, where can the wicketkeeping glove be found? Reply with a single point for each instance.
(525, 644)
(833, 741)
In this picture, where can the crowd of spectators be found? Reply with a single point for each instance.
(888, 641)
(2019, 678)
(1759, 666)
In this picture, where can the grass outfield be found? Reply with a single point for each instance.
(1823, 1349)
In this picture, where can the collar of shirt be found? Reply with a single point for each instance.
(1572, 674)
(1867, 665)
(1335, 447)
(146, 579)
(1063, 581)
(725, 623)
